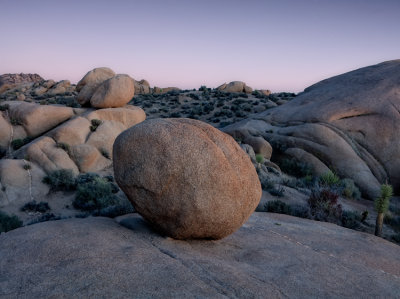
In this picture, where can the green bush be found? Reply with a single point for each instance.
(8, 223)
(295, 168)
(4, 107)
(63, 146)
(33, 206)
(323, 203)
(329, 179)
(61, 180)
(350, 190)
(351, 219)
(18, 143)
(278, 206)
(95, 124)
(94, 193)
(279, 192)
(259, 158)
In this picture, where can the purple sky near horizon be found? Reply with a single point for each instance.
(283, 45)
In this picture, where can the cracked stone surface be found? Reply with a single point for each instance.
(271, 256)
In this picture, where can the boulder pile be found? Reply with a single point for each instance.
(185, 177)
(102, 88)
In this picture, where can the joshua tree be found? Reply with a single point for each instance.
(381, 206)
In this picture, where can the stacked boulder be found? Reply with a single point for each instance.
(36, 140)
(235, 86)
(102, 88)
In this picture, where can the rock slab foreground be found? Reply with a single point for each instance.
(271, 256)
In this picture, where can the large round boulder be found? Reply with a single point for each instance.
(186, 178)
(114, 92)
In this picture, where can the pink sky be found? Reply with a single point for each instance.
(282, 45)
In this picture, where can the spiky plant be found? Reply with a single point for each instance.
(381, 206)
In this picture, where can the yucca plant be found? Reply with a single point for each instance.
(381, 206)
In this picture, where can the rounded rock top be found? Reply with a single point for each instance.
(188, 179)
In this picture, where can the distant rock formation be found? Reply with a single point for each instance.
(235, 86)
(349, 123)
(14, 79)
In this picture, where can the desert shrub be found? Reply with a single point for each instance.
(93, 193)
(175, 114)
(122, 207)
(8, 223)
(279, 191)
(396, 238)
(61, 180)
(351, 219)
(4, 107)
(323, 203)
(27, 166)
(300, 211)
(278, 206)
(15, 122)
(246, 107)
(207, 108)
(267, 184)
(3, 152)
(364, 215)
(350, 190)
(393, 221)
(295, 168)
(329, 179)
(68, 101)
(63, 146)
(95, 124)
(18, 143)
(33, 206)
(259, 158)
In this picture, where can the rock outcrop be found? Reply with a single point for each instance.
(89, 83)
(272, 255)
(348, 123)
(52, 138)
(102, 88)
(17, 79)
(187, 178)
(142, 87)
(235, 86)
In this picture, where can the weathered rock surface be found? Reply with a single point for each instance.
(45, 153)
(104, 136)
(187, 178)
(349, 122)
(274, 256)
(20, 184)
(114, 92)
(235, 86)
(37, 119)
(88, 158)
(128, 115)
(73, 132)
